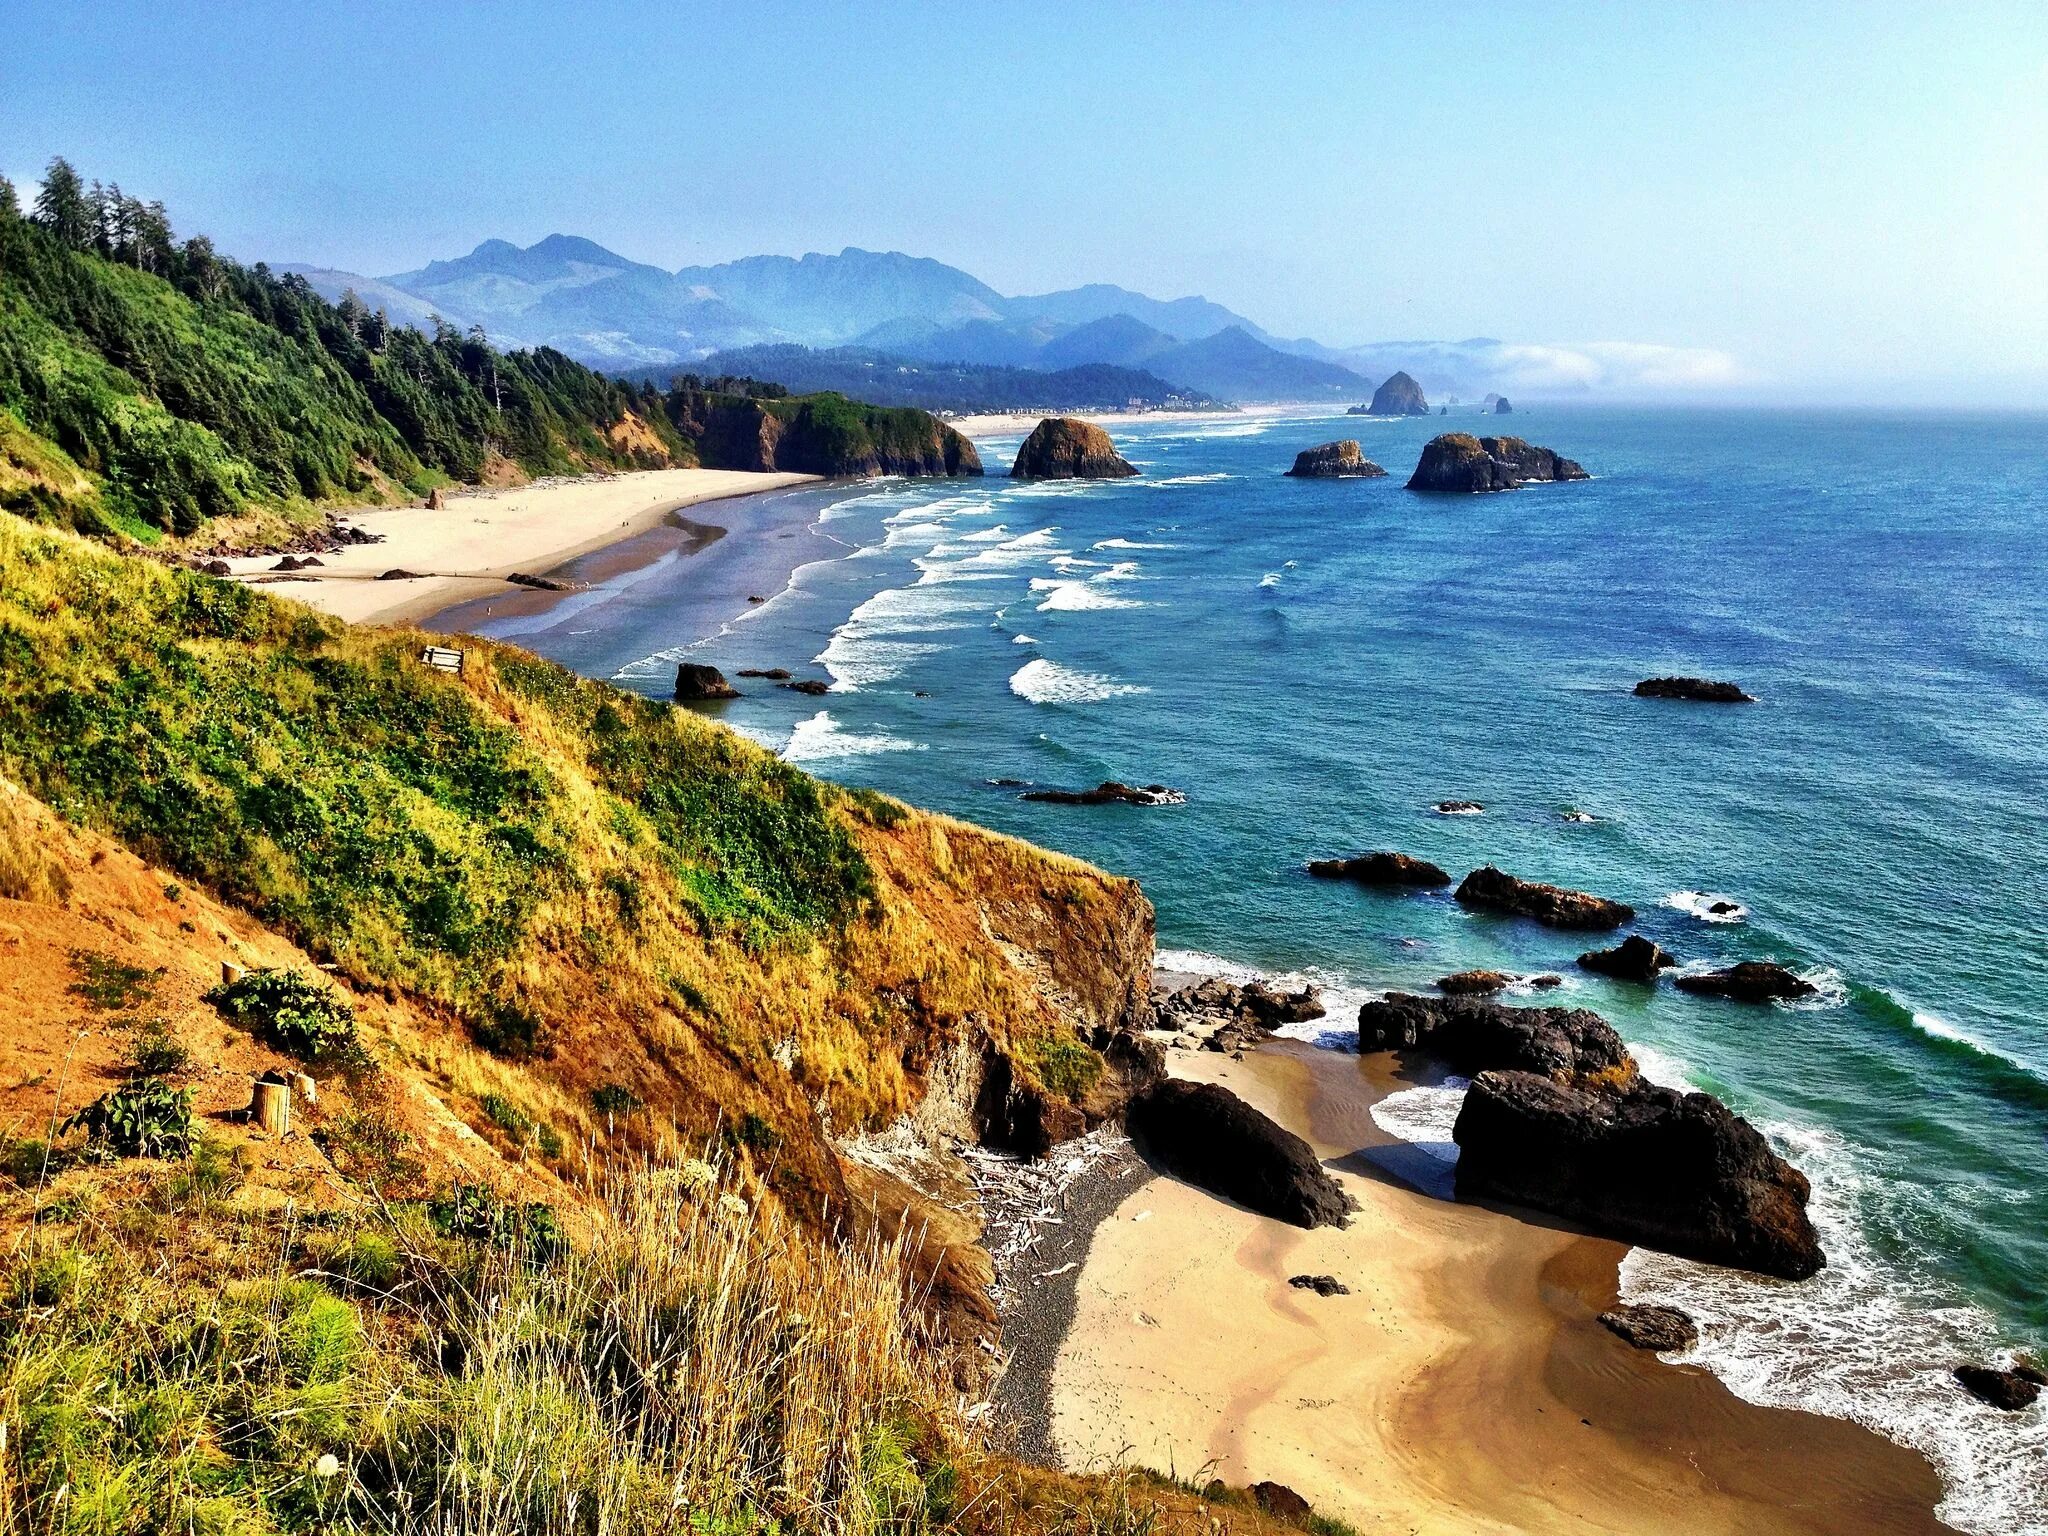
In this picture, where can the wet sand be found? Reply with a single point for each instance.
(466, 549)
(1463, 1385)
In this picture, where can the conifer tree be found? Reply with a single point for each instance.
(61, 205)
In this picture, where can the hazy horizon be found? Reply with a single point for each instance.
(1844, 204)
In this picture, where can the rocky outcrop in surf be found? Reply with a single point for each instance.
(1635, 958)
(1502, 408)
(1334, 461)
(1398, 396)
(1680, 1172)
(1109, 792)
(1750, 981)
(696, 682)
(1496, 890)
(1474, 983)
(1461, 463)
(1382, 868)
(1209, 1136)
(1699, 690)
(2007, 1390)
(1062, 448)
(1471, 1035)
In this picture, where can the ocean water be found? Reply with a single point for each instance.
(1317, 663)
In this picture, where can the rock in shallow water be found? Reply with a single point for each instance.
(1382, 868)
(1459, 462)
(1497, 890)
(1110, 792)
(1061, 448)
(697, 681)
(1472, 1034)
(1680, 1172)
(1652, 1327)
(1209, 1136)
(1699, 690)
(1334, 461)
(2009, 1390)
(1635, 958)
(1752, 981)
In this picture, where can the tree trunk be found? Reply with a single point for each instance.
(272, 1107)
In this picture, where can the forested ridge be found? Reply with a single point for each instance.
(149, 384)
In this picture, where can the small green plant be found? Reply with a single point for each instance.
(1066, 1066)
(210, 1175)
(153, 1051)
(754, 1133)
(109, 986)
(293, 1012)
(368, 1147)
(507, 1116)
(476, 1214)
(145, 1118)
(27, 1160)
(615, 1101)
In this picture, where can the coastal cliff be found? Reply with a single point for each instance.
(817, 435)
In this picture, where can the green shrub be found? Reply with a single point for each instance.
(153, 1051)
(145, 1118)
(293, 1013)
(1063, 1064)
(109, 986)
(476, 1214)
(507, 1116)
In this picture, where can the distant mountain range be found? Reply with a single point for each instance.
(627, 317)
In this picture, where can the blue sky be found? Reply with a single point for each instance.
(1843, 201)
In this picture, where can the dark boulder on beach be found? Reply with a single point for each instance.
(1256, 1003)
(1382, 868)
(2009, 1390)
(1322, 1285)
(1679, 1172)
(1334, 461)
(1459, 462)
(1495, 890)
(1471, 1035)
(1109, 792)
(695, 682)
(1400, 395)
(399, 573)
(1062, 448)
(1699, 690)
(1751, 981)
(538, 583)
(1635, 958)
(1474, 983)
(218, 568)
(1208, 1136)
(1652, 1327)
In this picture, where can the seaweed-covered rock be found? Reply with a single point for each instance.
(1334, 461)
(1062, 448)
(1382, 868)
(1474, 983)
(1460, 462)
(1109, 792)
(1680, 1172)
(1209, 1136)
(1496, 890)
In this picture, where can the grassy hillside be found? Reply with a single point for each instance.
(148, 387)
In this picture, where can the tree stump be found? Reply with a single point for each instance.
(271, 1108)
(230, 973)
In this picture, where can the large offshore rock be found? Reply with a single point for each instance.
(1061, 448)
(1460, 462)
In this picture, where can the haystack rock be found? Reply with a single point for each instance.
(1399, 396)
(696, 681)
(1061, 448)
(1334, 461)
(1498, 891)
(1382, 868)
(1502, 408)
(1461, 463)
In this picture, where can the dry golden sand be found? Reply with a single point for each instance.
(1463, 1385)
(466, 549)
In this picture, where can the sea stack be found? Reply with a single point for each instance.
(1502, 408)
(1460, 462)
(1399, 396)
(1061, 448)
(696, 681)
(1334, 461)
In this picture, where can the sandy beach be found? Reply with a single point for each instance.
(1463, 1385)
(465, 549)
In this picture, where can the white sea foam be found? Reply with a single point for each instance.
(1209, 479)
(1044, 681)
(995, 535)
(822, 737)
(1023, 639)
(1076, 597)
(1270, 579)
(1941, 1029)
(1861, 1341)
(1129, 544)
(1699, 904)
(1423, 1117)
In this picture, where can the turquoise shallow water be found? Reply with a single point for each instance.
(1317, 663)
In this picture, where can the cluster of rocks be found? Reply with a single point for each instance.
(335, 533)
(1559, 1119)
(1220, 1015)
(1459, 462)
(1063, 448)
(1484, 983)
(539, 583)
(1335, 461)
